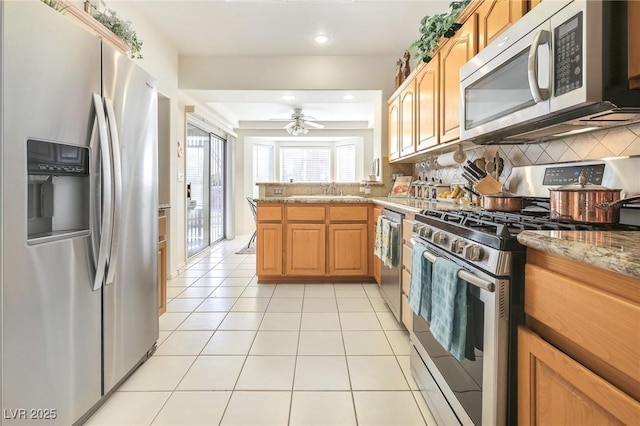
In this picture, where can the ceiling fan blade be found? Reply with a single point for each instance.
(314, 125)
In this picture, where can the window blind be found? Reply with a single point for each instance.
(346, 163)
(305, 164)
(262, 166)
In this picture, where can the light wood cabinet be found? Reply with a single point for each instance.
(436, 85)
(321, 242)
(556, 390)
(306, 249)
(634, 44)
(375, 260)
(348, 249)
(428, 104)
(269, 246)
(162, 261)
(495, 16)
(407, 246)
(394, 129)
(578, 355)
(407, 114)
(456, 52)
(269, 240)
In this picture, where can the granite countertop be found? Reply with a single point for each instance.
(617, 251)
(400, 204)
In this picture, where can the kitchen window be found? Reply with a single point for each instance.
(263, 166)
(345, 163)
(305, 164)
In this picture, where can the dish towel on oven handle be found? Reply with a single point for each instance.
(377, 249)
(449, 307)
(420, 283)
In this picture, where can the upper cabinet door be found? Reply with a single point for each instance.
(495, 16)
(456, 52)
(407, 110)
(394, 129)
(427, 104)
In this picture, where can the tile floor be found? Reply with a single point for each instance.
(235, 352)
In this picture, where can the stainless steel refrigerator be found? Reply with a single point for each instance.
(78, 214)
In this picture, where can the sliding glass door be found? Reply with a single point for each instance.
(216, 183)
(205, 189)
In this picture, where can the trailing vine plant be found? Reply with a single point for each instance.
(55, 5)
(122, 29)
(434, 27)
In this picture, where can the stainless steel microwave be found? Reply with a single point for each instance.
(561, 69)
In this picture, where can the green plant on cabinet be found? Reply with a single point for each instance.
(123, 29)
(434, 27)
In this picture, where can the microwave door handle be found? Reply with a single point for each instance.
(539, 95)
(107, 195)
(117, 186)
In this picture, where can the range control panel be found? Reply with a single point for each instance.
(565, 175)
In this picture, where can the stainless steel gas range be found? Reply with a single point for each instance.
(481, 390)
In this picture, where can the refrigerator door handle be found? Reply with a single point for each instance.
(117, 184)
(107, 195)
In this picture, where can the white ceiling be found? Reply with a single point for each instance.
(285, 28)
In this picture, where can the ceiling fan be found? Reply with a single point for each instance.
(300, 123)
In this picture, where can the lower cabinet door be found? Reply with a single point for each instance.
(348, 249)
(269, 249)
(306, 249)
(554, 389)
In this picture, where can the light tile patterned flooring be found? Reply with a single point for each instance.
(235, 352)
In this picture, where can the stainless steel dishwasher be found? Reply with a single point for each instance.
(391, 277)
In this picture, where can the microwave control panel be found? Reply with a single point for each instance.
(568, 48)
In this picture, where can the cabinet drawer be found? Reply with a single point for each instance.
(601, 323)
(406, 257)
(406, 281)
(305, 213)
(269, 213)
(348, 213)
(407, 229)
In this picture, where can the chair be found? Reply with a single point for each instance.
(252, 205)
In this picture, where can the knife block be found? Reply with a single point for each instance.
(488, 185)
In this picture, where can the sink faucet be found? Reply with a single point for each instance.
(325, 188)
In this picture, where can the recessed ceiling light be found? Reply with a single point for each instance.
(321, 39)
(288, 97)
(348, 97)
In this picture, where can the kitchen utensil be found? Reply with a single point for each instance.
(480, 163)
(613, 204)
(578, 202)
(469, 178)
(473, 170)
(488, 185)
(490, 167)
(503, 201)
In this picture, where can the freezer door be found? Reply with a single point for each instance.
(51, 332)
(130, 294)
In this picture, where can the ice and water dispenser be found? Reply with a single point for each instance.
(58, 191)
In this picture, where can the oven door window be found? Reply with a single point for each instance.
(463, 377)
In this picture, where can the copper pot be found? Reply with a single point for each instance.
(503, 201)
(587, 203)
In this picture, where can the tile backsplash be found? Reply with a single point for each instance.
(618, 142)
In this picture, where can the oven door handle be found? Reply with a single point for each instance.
(463, 274)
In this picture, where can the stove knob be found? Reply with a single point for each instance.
(457, 246)
(425, 232)
(473, 252)
(439, 238)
